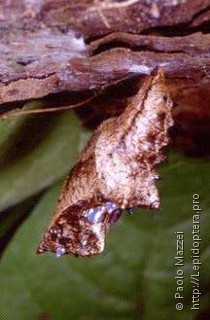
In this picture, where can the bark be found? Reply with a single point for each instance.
(50, 47)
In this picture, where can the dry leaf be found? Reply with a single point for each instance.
(116, 171)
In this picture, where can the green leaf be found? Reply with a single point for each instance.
(11, 219)
(35, 151)
(133, 279)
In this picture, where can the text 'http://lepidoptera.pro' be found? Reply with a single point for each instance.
(115, 172)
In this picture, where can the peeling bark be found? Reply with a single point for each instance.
(51, 47)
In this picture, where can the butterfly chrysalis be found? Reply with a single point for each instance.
(116, 171)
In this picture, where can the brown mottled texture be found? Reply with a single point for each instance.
(194, 44)
(41, 52)
(99, 17)
(117, 168)
(132, 145)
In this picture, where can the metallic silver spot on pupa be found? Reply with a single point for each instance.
(110, 207)
(59, 252)
(84, 242)
(95, 215)
(114, 216)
